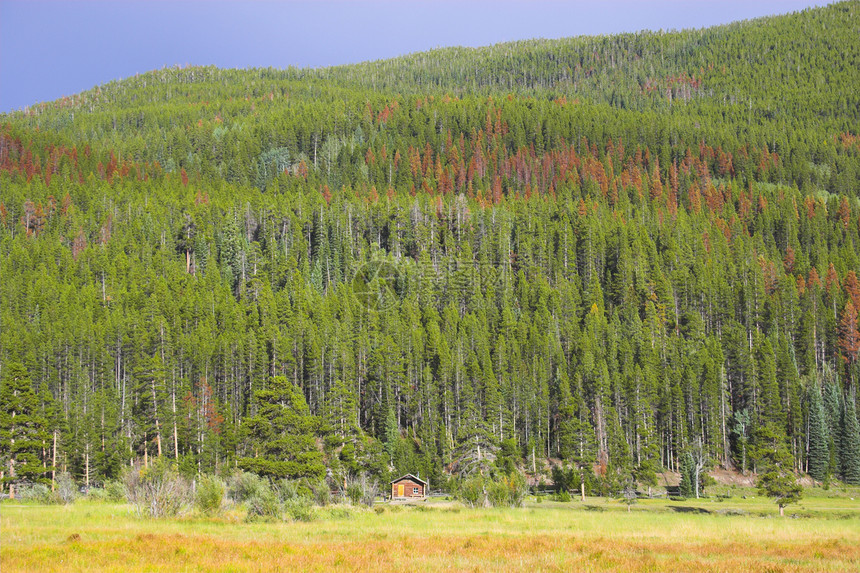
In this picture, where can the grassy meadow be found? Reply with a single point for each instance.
(821, 534)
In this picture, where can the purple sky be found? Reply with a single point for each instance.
(51, 48)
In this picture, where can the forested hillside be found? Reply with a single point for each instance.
(608, 251)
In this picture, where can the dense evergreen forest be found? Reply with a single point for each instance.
(605, 251)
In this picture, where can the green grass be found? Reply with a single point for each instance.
(598, 535)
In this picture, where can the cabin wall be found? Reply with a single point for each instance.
(408, 489)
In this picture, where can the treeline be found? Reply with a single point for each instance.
(455, 283)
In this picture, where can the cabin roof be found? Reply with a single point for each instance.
(409, 477)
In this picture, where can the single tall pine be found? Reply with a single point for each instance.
(818, 453)
(850, 443)
(282, 434)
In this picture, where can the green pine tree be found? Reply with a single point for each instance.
(23, 429)
(850, 443)
(282, 433)
(776, 467)
(687, 487)
(818, 453)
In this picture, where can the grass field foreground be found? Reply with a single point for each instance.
(597, 535)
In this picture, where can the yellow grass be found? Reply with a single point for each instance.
(597, 535)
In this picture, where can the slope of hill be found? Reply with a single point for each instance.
(609, 250)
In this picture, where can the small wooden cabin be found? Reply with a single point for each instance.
(408, 487)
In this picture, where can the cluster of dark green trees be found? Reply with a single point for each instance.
(613, 251)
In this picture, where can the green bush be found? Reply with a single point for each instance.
(299, 509)
(115, 491)
(471, 492)
(97, 494)
(320, 491)
(209, 496)
(264, 505)
(360, 491)
(497, 494)
(287, 490)
(353, 491)
(243, 486)
(562, 496)
(507, 491)
(37, 492)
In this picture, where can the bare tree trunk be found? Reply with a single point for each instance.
(155, 412)
(54, 463)
(175, 432)
(723, 390)
(12, 465)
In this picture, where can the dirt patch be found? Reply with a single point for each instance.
(729, 477)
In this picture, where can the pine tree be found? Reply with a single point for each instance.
(686, 486)
(23, 429)
(850, 443)
(833, 413)
(776, 467)
(282, 434)
(818, 452)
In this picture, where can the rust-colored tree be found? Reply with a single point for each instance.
(844, 212)
(831, 281)
(852, 288)
(849, 337)
(788, 260)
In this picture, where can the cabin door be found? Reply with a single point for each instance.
(400, 489)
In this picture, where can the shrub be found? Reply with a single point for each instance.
(97, 494)
(244, 485)
(320, 491)
(115, 491)
(287, 490)
(209, 495)
(360, 490)
(299, 508)
(507, 491)
(369, 492)
(352, 491)
(562, 496)
(264, 505)
(497, 494)
(157, 491)
(66, 491)
(516, 487)
(471, 492)
(37, 492)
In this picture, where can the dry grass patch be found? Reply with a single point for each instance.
(103, 537)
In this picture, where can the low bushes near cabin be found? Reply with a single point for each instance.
(471, 492)
(360, 490)
(504, 490)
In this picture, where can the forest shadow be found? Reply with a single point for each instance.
(685, 509)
